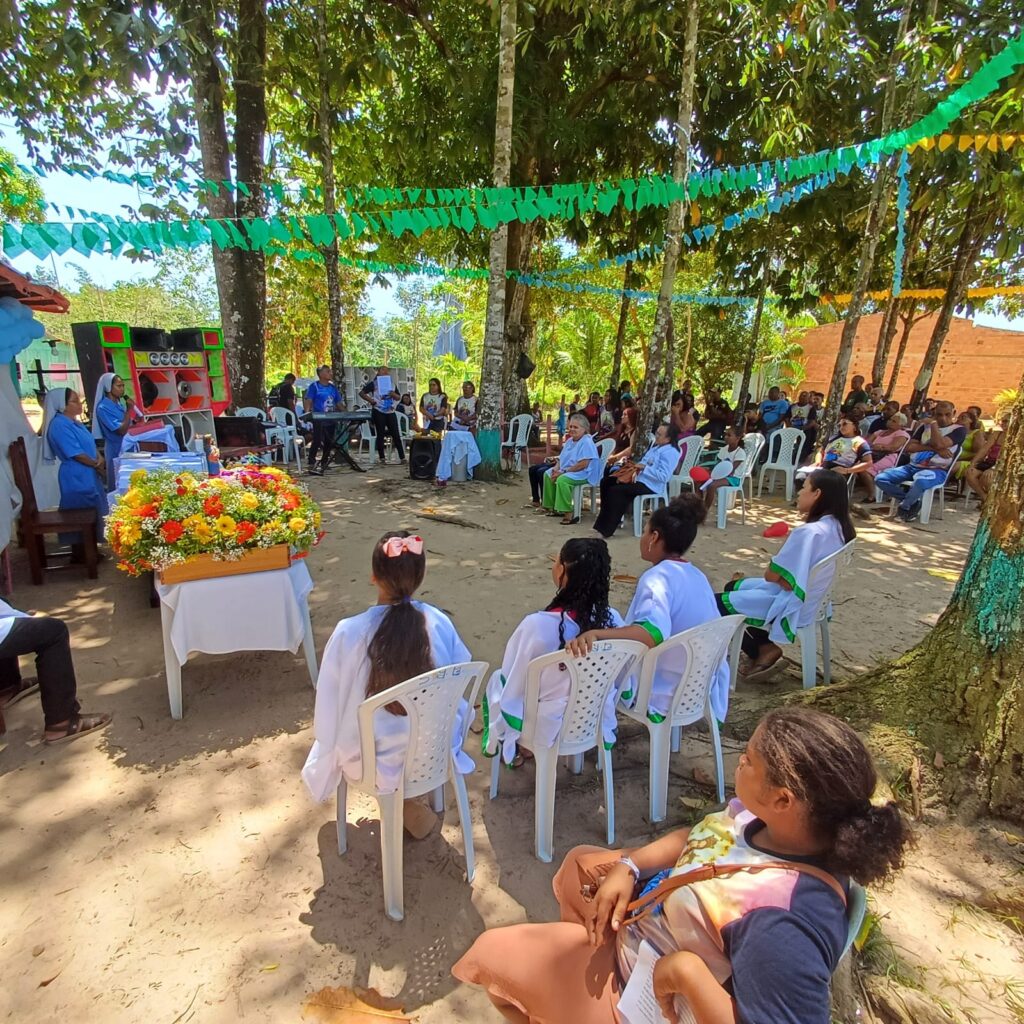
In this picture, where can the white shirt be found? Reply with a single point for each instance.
(658, 465)
(7, 617)
(576, 451)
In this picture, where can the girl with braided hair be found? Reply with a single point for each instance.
(581, 575)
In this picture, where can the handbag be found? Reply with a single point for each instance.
(648, 902)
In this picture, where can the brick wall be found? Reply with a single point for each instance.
(974, 365)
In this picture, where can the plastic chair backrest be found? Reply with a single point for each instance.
(590, 680)
(705, 646)
(251, 410)
(403, 424)
(366, 431)
(856, 911)
(519, 431)
(690, 450)
(830, 564)
(752, 445)
(605, 448)
(284, 417)
(785, 446)
(431, 701)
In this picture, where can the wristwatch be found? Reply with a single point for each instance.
(628, 861)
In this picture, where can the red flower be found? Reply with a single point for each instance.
(213, 506)
(245, 532)
(171, 531)
(289, 502)
(147, 511)
(182, 492)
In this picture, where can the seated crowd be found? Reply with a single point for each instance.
(802, 825)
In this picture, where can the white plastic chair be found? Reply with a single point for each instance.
(604, 452)
(690, 450)
(785, 447)
(288, 429)
(431, 701)
(705, 646)
(661, 498)
(590, 681)
(367, 436)
(929, 496)
(726, 496)
(251, 410)
(807, 635)
(518, 438)
(404, 432)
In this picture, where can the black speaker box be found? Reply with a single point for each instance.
(423, 456)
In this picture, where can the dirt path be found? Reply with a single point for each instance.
(176, 871)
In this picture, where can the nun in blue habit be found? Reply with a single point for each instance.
(82, 473)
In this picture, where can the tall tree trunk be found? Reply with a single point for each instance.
(330, 252)
(489, 421)
(673, 232)
(877, 206)
(518, 327)
(620, 333)
(961, 690)
(907, 315)
(240, 274)
(670, 356)
(689, 343)
(968, 247)
(755, 338)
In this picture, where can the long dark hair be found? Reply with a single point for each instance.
(825, 764)
(676, 523)
(400, 649)
(584, 593)
(833, 500)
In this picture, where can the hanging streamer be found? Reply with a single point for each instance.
(902, 201)
(924, 293)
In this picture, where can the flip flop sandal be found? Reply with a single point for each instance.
(762, 673)
(570, 522)
(79, 725)
(26, 689)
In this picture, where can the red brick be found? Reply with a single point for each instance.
(975, 363)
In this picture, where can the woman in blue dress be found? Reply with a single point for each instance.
(82, 472)
(111, 418)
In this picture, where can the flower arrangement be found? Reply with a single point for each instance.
(165, 518)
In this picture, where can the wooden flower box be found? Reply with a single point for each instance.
(205, 567)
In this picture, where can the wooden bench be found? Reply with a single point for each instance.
(35, 525)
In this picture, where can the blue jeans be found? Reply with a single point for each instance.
(889, 481)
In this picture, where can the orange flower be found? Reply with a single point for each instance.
(246, 531)
(171, 531)
(213, 506)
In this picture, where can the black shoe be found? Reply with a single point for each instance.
(316, 472)
(909, 515)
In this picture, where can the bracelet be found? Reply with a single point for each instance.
(628, 861)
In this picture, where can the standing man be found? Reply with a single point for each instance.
(381, 394)
(321, 396)
(282, 395)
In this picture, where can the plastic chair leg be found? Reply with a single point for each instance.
(677, 738)
(926, 505)
(716, 742)
(309, 646)
(546, 764)
(808, 655)
(495, 769)
(577, 502)
(826, 652)
(391, 853)
(576, 764)
(638, 516)
(342, 814)
(437, 800)
(660, 753)
(604, 758)
(721, 498)
(465, 821)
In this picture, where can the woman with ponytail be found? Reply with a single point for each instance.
(750, 919)
(581, 575)
(396, 639)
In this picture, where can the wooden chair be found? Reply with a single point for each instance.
(35, 525)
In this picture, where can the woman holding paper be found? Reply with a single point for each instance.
(112, 414)
(750, 919)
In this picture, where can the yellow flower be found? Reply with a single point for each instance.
(137, 477)
(273, 526)
(317, 518)
(202, 532)
(218, 482)
(188, 481)
(249, 501)
(273, 471)
(225, 525)
(296, 525)
(132, 498)
(192, 522)
(131, 533)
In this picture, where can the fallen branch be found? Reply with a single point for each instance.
(440, 517)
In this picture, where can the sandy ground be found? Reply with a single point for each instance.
(175, 871)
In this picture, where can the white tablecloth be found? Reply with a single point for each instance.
(257, 611)
(454, 445)
(177, 462)
(163, 434)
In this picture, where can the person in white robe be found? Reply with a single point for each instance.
(581, 574)
(346, 676)
(671, 597)
(784, 599)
